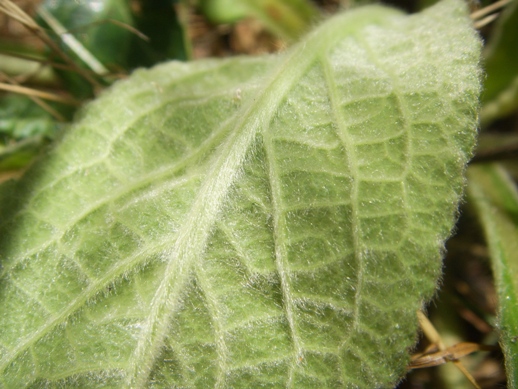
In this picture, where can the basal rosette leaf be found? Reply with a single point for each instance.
(248, 222)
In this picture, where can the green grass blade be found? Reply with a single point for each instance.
(495, 198)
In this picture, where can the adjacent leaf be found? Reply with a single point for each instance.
(20, 154)
(249, 222)
(23, 129)
(495, 197)
(21, 118)
(500, 95)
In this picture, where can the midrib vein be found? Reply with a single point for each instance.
(193, 235)
(116, 271)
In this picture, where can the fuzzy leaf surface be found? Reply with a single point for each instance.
(249, 222)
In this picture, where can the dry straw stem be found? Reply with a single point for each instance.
(38, 93)
(34, 97)
(485, 15)
(489, 9)
(445, 354)
(432, 357)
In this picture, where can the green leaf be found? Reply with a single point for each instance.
(20, 154)
(495, 198)
(500, 95)
(24, 129)
(248, 222)
(22, 118)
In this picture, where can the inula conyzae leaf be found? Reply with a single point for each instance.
(249, 222)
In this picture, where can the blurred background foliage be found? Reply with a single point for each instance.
(55, 55)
